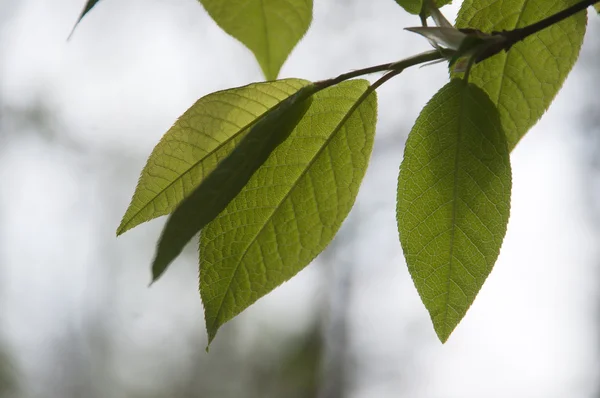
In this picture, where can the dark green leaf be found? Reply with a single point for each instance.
(88, 6)
(453, 200)
(293, 205)
(227, 180)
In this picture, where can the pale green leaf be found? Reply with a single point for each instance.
(523, 82)
(202, 137)
(229, 177)
(453, 200)
(292, 207)
(88, 6)
(415, 6)
(269, 28)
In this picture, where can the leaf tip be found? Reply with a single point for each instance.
(211, 330)
(73, 30)
(443, 337)
(443, 331)
(125, 225)
(211, 337)
(158, 268)
(88, 6)
(212, 327)
(160, 263)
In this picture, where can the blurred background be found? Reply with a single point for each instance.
(78, 119)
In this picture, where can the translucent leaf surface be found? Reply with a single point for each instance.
(291, 208)
(453, 200)
(415, 6)
(524, 81)
(88, 6)
(269, 28)
(191, 149)
(229, 177)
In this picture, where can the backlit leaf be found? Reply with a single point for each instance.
(269, 28)
(292, 207)
(453, 200)
(229, 177)
(523, 82)
(202, 137)
(415, 6)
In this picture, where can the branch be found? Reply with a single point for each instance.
(428, 56)
(511, 37)
(516, 35)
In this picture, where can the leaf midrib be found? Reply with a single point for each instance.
(336, 130)
(454, 206)
(197, 163)
(267, 42)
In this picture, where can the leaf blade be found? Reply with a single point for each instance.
(523, 82)
(240, 256)
(453, 200)
(87, 8)
(203, 136)
(268, 28)
(415, 6)
(229, 177)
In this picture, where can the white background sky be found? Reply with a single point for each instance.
(133, 66)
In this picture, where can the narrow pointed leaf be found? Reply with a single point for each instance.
(229, 177)
(450, 38)
(192, 148)
(437, 16)
(269, 28)
(453, 200)
(523, 82)
(88, 6)
(292, 207)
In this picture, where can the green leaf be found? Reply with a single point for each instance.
(453, 200)
(88, 6)
(597, 7)
(415, 6)
(523, 82)
(229, 177)
(292, 207)
(199, 140)
(411, 6)
(269, 28)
